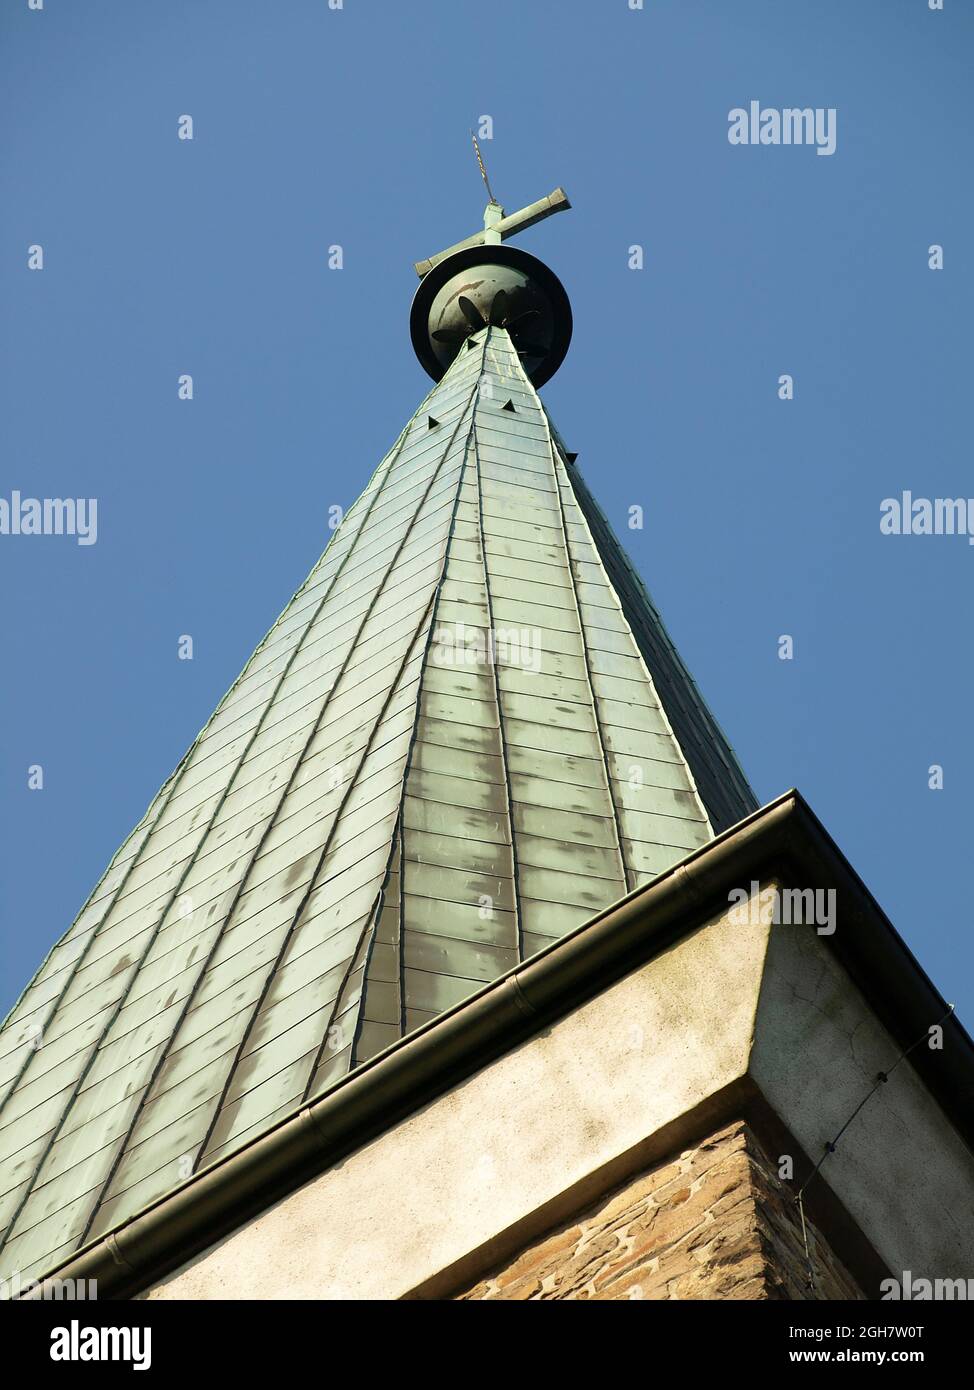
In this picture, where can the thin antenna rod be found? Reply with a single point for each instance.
(483, 171)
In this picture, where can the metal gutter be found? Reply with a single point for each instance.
(784, 837)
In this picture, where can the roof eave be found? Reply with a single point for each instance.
(784, 836)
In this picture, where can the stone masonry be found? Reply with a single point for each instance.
(714, 1222)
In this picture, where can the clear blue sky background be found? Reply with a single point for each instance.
(315, 126)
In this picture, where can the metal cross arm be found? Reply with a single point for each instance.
(500, 228)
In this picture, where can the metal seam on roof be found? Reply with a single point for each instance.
(518, 911)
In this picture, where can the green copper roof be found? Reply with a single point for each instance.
(385, 811)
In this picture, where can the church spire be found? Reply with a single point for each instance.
(466, 734)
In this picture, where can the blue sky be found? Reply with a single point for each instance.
(315, 126)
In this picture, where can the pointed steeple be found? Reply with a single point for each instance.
(467, 733)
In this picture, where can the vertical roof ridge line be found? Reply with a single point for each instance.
(338, 812)
(353, 1060)
(397, 839)
(617, 822)
(674, 737)
(492, 658)
(369, 924)
(397, 858)
(711, 730)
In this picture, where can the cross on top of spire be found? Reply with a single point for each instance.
(478, 283)
(497, 226)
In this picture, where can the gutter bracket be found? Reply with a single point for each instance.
(111, 1243)
(521, 1000)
